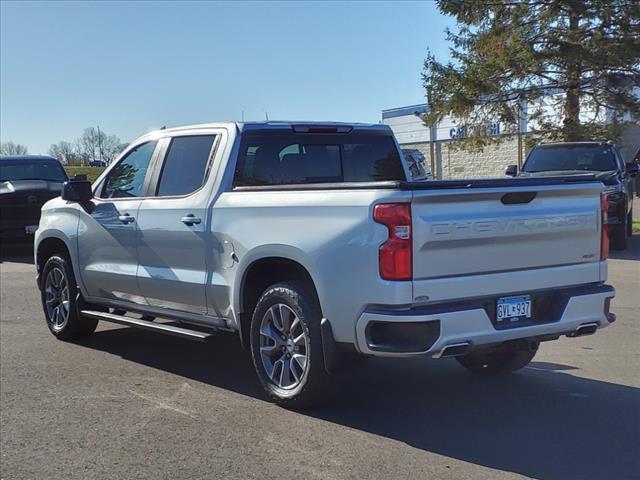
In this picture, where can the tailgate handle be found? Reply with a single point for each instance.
(514, 198)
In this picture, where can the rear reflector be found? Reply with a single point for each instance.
(604, 231)
(395, 257)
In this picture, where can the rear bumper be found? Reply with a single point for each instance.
(427, 331)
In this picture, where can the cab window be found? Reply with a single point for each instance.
(126, 180)
(186, 165)
(292, 158)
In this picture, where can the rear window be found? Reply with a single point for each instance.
(36, 170)
(299, 158)
(597, 158)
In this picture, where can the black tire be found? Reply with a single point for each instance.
(311, 388)
(630, 223)
(496, 361)
(75, 326)
(618, 235)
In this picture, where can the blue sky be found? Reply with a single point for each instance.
(132, 67)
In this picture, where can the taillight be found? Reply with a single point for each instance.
(604, 232)
(395, 255)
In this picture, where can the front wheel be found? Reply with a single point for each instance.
(59, 297)
(286, 345)
(498, 360)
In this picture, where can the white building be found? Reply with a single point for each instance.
(415, 138)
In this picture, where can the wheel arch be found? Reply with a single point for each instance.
(50, 243)
(257, 276)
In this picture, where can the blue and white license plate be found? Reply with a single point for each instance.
(513, 309)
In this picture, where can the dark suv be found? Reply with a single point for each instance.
(603, 159)
(26, 183)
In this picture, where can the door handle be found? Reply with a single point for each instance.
(126, 218)
(191, 220)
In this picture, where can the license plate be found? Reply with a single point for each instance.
(30, 229)
(513, 309)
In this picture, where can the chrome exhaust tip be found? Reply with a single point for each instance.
(586, 329)
(454, 350)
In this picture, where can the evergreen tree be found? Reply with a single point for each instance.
(504, 52)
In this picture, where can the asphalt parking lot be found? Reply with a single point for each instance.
(132, 404)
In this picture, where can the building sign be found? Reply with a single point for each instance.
(460, 132)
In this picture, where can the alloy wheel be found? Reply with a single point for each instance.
(56, 290)
(284, 346)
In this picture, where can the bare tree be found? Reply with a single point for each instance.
(65, 152)
(87, 146)
(10, 148)
(111, 148)
(96, 144)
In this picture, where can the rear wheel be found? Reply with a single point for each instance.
(59, 297)
(286, 345)
(498, 360)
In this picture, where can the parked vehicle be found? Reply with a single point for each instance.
(603, 159)
(308, 242)
(26, 183)
(416, 164)
(97, 163)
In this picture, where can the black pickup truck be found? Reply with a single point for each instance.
(603, 159)
(26, 183)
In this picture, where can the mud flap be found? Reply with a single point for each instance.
(329, 349)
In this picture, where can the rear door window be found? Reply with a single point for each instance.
(290, 158)
(186, 165)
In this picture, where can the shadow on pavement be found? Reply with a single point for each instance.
(16, 253)
(632, 251)
(540, 422)
(550, 367)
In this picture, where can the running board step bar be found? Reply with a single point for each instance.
(146, 325)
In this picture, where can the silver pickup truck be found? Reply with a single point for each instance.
(308, 242)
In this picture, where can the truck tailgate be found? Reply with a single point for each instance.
(504, 226)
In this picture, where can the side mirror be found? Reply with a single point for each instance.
(77, 189)
(511, 170)
(633, 169)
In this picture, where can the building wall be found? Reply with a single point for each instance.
(453, 163)
(630, 142)
(407, 125)
(413, 135)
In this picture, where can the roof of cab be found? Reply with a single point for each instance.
(28, 158)
(585, 143)
(273, 125)
(278, 125)
(266, 126)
